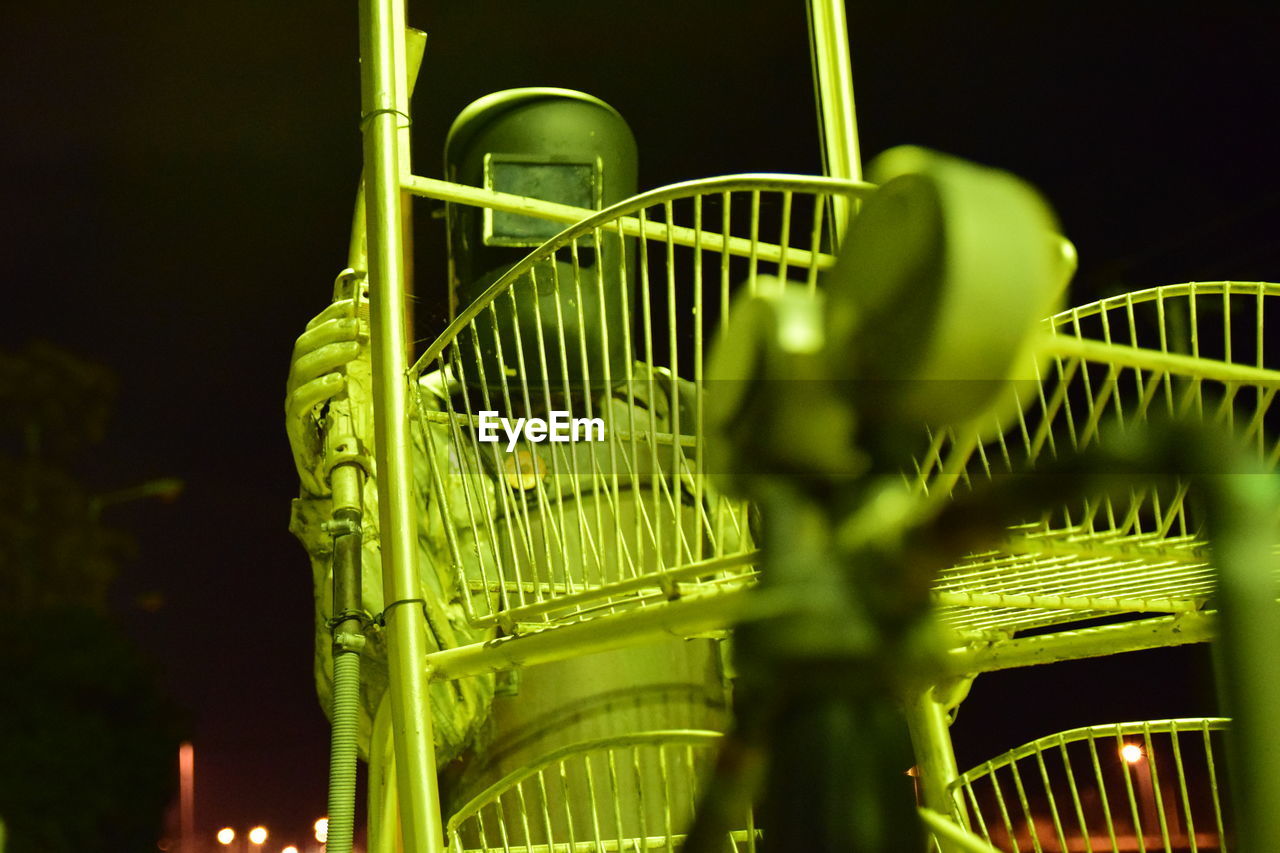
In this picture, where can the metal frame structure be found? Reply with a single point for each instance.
(388, 178)
(1103, 559)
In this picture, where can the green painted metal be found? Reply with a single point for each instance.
(837, 117)
(951, 837)
(342, 754)
(384, 109)
(627, 792)
(984, 655)
(935, 758)
(1099, 788)
(641, 567)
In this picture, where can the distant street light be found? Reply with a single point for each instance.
(1135, 756)
(290, 849)
(322, 830)
(226, 835)
(258, 835)
(187, 798)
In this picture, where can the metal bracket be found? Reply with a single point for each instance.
(348, 641)
(340, 526)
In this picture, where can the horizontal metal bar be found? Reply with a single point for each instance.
(708, 612)
(1139, 635)
(1121, 355)
(631, 226)
(674, 619)
(507, 202)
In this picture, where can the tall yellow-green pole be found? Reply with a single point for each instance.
(384, 112)
(833, 90)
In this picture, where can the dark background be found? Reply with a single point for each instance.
(178, 182)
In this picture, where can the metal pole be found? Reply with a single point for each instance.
(382, 32)
(357, 252)
(833, 84)
(935, 757)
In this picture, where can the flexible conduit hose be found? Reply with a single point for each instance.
(342, 751)
(347, 641)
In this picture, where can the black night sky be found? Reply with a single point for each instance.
(178, 182)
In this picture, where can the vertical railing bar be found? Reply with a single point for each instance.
(597, 534)
(1075, 794)
(1026, 806)
(1102, 793)
(443, 507)
(502, 495)
(1182, 786)
(1127, 771)
(1155, 785)
(473, 473)
(557, 454)
(546, 518)
(584, 537)
(699, 436)
(680, 546)
(1053, 803)
(518, 521)
(1213, 786)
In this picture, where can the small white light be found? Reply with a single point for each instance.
(258, 834)
(1131, 752)
(226, 835)
(322, 830)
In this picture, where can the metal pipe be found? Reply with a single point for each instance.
(1120, 355)
(721, 610)
(935, 758)
(357, 248)
(346, 479)
(1136, 636)
(348, 640)
(631, 226)
(677, 618)
(833, 85)
(382, 28)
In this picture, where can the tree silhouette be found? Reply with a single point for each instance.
(88, 740)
